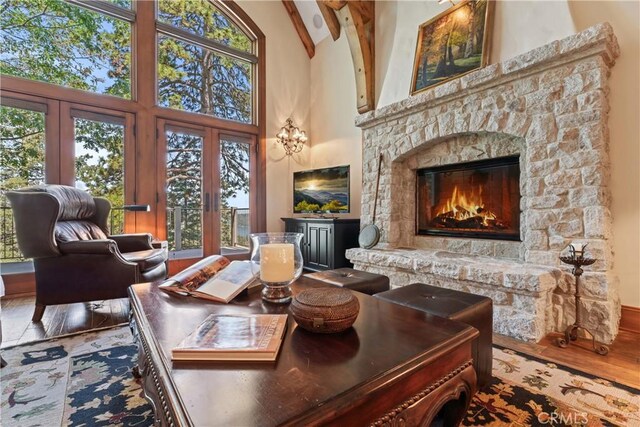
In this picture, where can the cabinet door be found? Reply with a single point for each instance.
(319, 247)
(299, 227)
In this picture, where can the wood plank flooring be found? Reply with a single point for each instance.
(622, 364)
(17, 327)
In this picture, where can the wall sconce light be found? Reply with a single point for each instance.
(291, 138)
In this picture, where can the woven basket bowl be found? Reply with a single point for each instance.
(325, 310)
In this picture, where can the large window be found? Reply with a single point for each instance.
(202, 18)
(99, 161)
(195, 79)
(140, 102)
(205, 62)
(234, 195)
(22, 163)
(184, 188)
(60, 43)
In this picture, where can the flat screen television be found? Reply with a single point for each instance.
(321, 190)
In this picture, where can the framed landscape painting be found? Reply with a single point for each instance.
(452, 44)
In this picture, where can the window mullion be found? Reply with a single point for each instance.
(106, 8)
(209, 44)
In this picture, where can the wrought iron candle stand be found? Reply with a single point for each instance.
(571, 333)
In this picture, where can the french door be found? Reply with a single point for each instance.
(45, 140)
(206, 197)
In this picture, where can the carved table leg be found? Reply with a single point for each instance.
(135, 371)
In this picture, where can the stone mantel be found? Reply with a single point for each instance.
(549, 106)
(596, 41)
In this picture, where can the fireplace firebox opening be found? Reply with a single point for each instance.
(478, 199)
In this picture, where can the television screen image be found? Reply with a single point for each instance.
(321, 190)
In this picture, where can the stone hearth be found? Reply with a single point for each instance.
(550, 107)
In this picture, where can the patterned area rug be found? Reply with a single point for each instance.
(80, 380)
(528, 391)
(85, 380)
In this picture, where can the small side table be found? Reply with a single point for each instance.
(571, 333)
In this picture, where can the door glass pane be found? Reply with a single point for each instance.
(202, 18)
(184, 194)
(99, 164)
(234, 197)
(56, 42)
(22, 164)
(126, 4)
(195, 79)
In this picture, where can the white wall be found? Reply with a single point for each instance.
(624, 125)
(288, 88)
(335, 141)
(518, 26)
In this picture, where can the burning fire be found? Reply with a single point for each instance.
(462, 206)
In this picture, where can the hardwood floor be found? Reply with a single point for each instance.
(622, 364)
(17, 327)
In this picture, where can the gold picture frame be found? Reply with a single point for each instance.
(452, 44)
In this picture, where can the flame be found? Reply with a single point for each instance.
(461, 206)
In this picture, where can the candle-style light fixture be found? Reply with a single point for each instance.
(291, 138)
(577, 259)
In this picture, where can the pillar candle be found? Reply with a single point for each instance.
(276, 262)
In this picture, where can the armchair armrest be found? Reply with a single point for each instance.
(89, 247)
(133, 242)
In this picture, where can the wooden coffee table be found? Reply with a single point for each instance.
(396, 365)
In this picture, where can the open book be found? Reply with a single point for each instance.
(247, 337)
(214, 278)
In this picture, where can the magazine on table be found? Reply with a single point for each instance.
(214, 278)
(243, 337)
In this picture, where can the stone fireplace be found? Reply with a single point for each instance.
(476, 199)
(487, 178)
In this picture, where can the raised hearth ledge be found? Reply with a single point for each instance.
(596, 40)
(490, 273)
(521, 292)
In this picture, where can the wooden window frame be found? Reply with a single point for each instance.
(144, 110)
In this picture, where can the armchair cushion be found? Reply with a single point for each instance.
(97, 247)
(67, 231)
(133, 242)
(74, 203)
(146, 260)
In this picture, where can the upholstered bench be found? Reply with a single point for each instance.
(474, 310)
(356, 280)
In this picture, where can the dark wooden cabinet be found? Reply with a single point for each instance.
(325, 240)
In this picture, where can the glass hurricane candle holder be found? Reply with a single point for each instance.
(279, 260)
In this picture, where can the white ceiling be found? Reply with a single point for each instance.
(308, 10)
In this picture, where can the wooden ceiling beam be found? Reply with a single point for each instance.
(363, 7)
(335, 4)
(358, 21)
(298, 24)
(330, 19)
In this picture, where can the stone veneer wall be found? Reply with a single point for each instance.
(550, 105)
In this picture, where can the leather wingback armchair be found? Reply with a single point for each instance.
(64, 230)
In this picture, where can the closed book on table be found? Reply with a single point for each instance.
(250, 337)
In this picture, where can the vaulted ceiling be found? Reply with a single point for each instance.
(314, 21)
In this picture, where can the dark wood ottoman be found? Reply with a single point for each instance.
(474, 310)
(356, 280)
